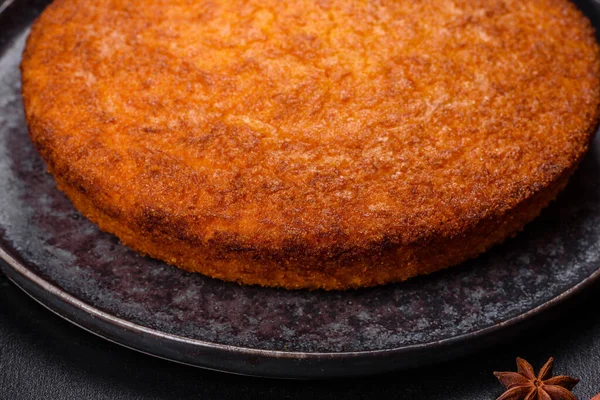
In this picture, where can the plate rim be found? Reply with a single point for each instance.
(52, 289)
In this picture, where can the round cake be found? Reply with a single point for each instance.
(325, 144)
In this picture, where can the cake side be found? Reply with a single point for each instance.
(294, 269)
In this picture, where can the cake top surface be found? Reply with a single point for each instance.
(336, 124)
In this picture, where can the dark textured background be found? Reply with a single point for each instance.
(44, 357)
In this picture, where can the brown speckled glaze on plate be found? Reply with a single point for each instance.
(85, 275)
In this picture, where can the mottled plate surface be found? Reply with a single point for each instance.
(85, 275)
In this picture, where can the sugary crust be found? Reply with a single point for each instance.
(304, 144)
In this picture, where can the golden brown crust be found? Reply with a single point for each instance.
(327, 144)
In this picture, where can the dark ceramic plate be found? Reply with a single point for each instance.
(86, 276)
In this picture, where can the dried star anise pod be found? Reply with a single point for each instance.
(524, 385)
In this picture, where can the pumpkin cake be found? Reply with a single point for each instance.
(326, 144)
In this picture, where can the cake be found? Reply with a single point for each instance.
(328, 144)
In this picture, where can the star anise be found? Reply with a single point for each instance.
(524, 385)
